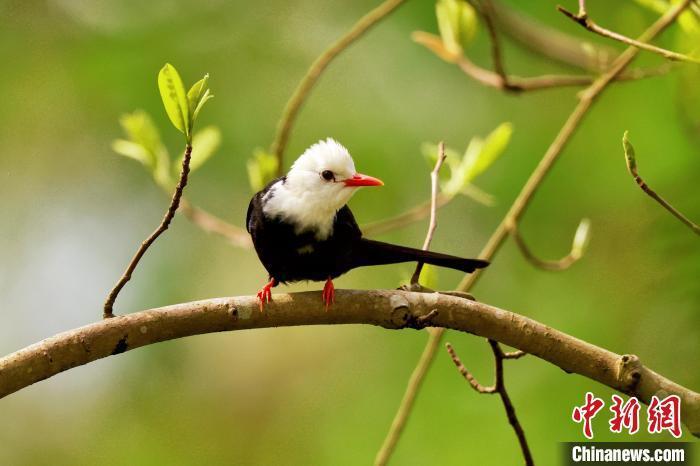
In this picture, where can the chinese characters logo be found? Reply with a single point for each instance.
(662, 415)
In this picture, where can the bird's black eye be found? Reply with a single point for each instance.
(327, 175)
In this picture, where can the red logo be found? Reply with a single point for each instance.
(587, 412)
(665, 415)
(661, 414)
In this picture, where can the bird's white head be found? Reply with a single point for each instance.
(321, 181)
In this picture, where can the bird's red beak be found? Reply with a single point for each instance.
(358, 179)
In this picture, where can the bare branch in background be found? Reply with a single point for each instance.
(517, 83)
(485, 9)
(434, 189)
(164, 224)
(498, 387)
(583, 19)
(552, 43)
(586, 99)
(412, 215)
(296, 101)
(412, 388)
(632, 168)
(468, 375)
(212, 224)
(391, 309)
(578, 247)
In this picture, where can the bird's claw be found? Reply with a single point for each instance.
(265, 294)
(328, 294)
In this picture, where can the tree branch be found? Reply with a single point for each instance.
(434, 189)
(212, 224)
(551, 43)
(517, 83)
(632, 168)
(578, 247)
(498, 387)
(586, 99)
(291, 109)
(391, 309)
(164, 224)
(587, 23)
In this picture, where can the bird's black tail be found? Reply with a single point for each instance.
(369, 252)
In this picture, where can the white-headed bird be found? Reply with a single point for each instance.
(302, 228)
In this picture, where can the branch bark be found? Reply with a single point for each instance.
(384, 308)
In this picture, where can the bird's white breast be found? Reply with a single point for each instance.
(306, 210)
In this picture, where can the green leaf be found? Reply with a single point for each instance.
(205, 98)
(172, 92)
(429, 277)
(491, 149)
(197, 96)
(204, 144)
(430, 152)
(629, 153)
(133, 150)
(480, 154)
(457, 23)
(139, 128)
(144, 144)
(262, 169)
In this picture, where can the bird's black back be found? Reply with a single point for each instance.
(289, 256)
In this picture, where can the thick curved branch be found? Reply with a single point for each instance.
(296, 101)
(388, 309)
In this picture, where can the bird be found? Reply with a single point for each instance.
(303, 230)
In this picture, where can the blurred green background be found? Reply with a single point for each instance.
(73, 212)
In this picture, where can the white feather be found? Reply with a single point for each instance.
(304, 198)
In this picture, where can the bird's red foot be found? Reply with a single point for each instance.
(328, 293)
(265, 293)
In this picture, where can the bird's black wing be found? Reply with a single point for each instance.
(345, 229)
(256, 203)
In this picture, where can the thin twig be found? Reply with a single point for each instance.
(468, 375)
(551, 43)
(517, 209)
(485, 9)
(577, 249)
(210, 223)
(164, 224)
(517, 83)
(583, 19)
(632, 168)
(291, 109)
(434, 189)
(498, 387)
(412, 215)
